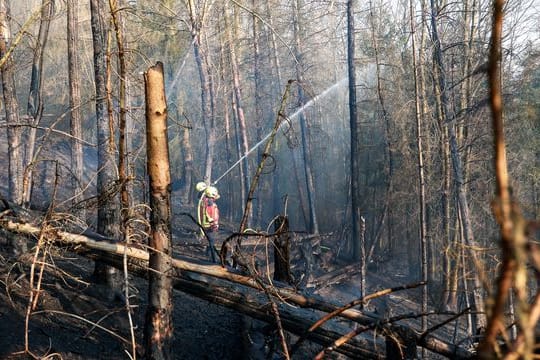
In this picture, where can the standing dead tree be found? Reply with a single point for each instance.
(159, 326)
(282, 267)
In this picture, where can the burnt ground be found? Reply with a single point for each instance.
(72, 313)
(74, 318)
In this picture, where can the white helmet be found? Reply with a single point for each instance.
(201, 186)
(211, 192)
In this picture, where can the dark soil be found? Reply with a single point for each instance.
(72, 314)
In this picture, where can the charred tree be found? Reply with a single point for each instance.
(159, 326)
(123, 175)
(108, 222)
(282, 266)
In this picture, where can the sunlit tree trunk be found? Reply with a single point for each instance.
(108, 222)
(75, 101)
(159, 324)
(313, 226)
(34, 109)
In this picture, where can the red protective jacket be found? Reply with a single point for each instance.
(209, 214)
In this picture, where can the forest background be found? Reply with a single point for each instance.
(227, 64)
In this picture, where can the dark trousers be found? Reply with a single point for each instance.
(211, 249)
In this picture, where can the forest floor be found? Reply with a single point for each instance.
(74, 318)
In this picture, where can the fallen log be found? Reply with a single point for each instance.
(79, 241)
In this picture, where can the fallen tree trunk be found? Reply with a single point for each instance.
(82, 243)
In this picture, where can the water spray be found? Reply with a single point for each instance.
(292, 117)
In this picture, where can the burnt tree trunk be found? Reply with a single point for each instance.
(122, 121)
(108, 222)
(158, 327)
(282, 268)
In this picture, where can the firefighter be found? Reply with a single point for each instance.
(208, 215)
